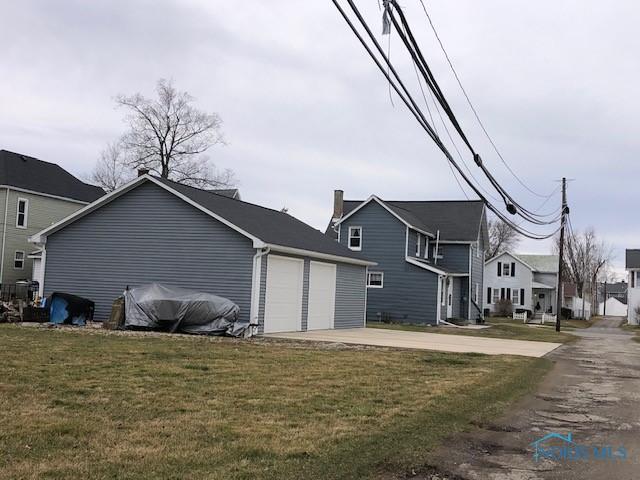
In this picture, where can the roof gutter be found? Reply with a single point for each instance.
(323, 256)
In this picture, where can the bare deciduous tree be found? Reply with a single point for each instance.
(502, 238)
(586, 259)
(110, 171)
(169, 135)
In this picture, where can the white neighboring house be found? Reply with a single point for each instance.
(529, 281)
(633, 268)
(614, 308)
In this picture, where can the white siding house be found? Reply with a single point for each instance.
(633, 268)
(529, 281)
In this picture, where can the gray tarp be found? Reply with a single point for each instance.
(174, 309)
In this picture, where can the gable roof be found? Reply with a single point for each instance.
(632, 259)
(456, 220)
(29, 173)
(513, 257)
(264, 226)
(540, 263)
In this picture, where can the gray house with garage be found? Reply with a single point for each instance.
(284, 274)
(429, 255)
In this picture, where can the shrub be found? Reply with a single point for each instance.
(504, 307)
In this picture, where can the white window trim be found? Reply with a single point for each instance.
(369, 279)
(15, 258)
(495, 295)
(514, 292)
(418, 245)
(358, 248)
(506, 269)
(26, 212)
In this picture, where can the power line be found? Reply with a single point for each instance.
(473, 109)
(410, 103)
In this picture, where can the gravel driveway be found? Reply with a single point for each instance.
(593, 392)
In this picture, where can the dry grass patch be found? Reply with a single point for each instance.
(104, 406)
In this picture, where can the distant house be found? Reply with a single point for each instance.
(528, 281)
(33, 195)
(617, 290)
(632, 264)
(283, 274)
(429, 256)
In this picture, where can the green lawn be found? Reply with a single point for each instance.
(82, 404)
(500, 328)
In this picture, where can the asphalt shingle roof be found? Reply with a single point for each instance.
(22, 171)
(633, 258)
(270, 226)
(540, 263)
(457, 220)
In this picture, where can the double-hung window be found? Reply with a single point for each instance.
(355, 238)
(496, 295)
(515, 296)
(375, 279)
(18, 260)
(506, 270)
(22, 213)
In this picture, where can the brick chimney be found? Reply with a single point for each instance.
(142, 171)
(338, 204)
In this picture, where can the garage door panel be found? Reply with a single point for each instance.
(322, 296)
(283, 299)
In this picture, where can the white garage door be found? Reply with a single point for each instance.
(283, 302)
(322, 295)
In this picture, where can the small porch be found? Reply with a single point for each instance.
(543, 299)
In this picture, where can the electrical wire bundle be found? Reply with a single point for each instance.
(395, 17)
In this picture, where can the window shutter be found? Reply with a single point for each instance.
(488, 295)
(499, 269)
(508, 294)
(522, 296)
(513, 269)
(502, 294)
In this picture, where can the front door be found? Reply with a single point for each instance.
(449, 297)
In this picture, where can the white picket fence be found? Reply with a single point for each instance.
(547, 317)
(520, 316)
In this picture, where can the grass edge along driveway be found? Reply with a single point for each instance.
(94, 405)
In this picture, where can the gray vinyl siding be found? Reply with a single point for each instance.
(410, 292)
(148, 235)
(350, 293)
(351, 281)
(477, 274)
(455, 257)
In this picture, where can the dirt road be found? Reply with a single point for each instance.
(593, 392)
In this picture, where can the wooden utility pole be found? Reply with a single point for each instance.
(563, 218)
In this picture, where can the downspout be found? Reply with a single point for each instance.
(254, 321)
(435, 257)
(4, 236)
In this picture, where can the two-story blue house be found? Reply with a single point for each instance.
(430, 256)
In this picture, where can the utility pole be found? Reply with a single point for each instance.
(563, 219)
(604, 305)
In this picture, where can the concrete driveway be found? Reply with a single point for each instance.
(424, 341)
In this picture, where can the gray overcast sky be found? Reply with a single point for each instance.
(306, 111)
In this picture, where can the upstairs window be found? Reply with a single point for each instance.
(18, 260)
(506, 270)
(22, 213)
(355, 238)
(418, 245)
(375, 279)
